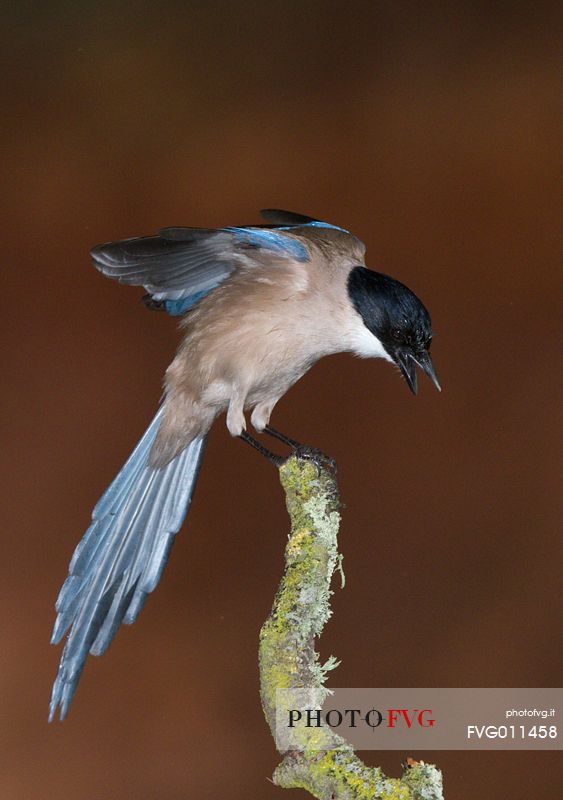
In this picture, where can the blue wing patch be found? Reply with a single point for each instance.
(178, 307)
(270, 240)
(317, 224)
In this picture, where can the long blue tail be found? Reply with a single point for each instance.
(121, 556)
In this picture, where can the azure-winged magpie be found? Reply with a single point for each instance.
(260, 304)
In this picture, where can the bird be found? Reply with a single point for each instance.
(259, 305)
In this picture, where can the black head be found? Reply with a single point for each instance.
(393, 314)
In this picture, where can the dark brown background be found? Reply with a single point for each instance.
(433, 135)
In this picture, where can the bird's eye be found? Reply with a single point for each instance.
(396, 334)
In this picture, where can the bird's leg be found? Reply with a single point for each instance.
(260, 419)
(273, 458)
(282, 437)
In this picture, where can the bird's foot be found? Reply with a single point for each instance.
(315, 457)
(302, 451)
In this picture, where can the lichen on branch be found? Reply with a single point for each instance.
(324, 763)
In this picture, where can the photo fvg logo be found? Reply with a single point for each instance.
(399, 718)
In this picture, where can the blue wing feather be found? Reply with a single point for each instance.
(270, 240)
(177, 308)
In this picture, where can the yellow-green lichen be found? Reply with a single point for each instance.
(322, 763)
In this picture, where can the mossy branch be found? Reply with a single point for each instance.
(324, 764)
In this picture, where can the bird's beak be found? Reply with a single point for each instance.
(407, 365)
(408, 362)
(425, 363)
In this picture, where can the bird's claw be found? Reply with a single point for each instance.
(311, 454)
(316, 457)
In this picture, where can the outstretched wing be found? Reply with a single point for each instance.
(179, 266)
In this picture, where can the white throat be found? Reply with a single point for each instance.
(363, 343)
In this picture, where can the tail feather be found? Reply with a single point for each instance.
(121, 556)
